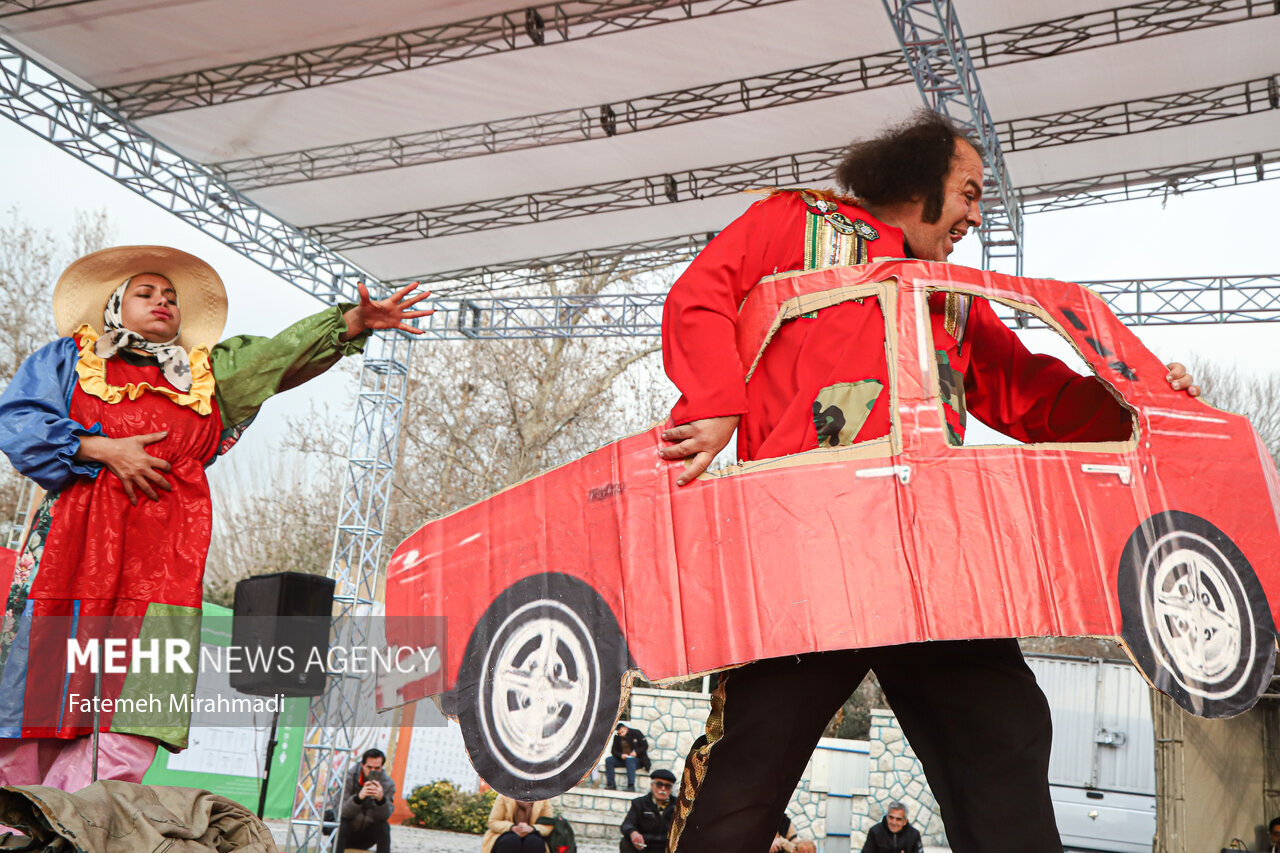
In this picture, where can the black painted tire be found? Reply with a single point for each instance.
(1195, 616)
(540, 686)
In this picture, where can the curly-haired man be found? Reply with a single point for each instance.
(971, 710)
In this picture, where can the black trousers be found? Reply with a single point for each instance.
(509, 842)
(376, 837)
(971, 710)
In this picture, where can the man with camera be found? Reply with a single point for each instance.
(366, 805)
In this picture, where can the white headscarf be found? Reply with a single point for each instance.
(174, 362)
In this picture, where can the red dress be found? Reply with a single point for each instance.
(96, 566)
(134, 567)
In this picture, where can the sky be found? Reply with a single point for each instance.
(45, 187)
(1216, 232)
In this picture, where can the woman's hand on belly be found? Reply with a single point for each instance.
(129, 460)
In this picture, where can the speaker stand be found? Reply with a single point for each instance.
(266, 768)
(97, 720)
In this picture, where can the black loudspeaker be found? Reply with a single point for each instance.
(281, 621)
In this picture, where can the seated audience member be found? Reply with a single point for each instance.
(514, 827)
(648, 822)
(630, 750)
(786, 840)
(893, 834)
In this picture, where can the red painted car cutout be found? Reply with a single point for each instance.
(552, 590)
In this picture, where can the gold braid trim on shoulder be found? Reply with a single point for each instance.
(92, 372)
(828, 195)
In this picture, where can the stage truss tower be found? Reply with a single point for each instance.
(934, 45)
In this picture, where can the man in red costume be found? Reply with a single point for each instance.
(971, 709)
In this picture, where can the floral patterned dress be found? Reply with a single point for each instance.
(96, 567)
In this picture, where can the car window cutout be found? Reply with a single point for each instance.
(854, 409)
(1041, 335)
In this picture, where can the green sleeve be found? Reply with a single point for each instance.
(249, 369)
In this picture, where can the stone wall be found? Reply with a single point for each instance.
(595, 813)
(808, 808)
(672, 720)
(895, 774)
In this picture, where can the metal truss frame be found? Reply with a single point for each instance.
(514, 317)
(10, 8)
(1142, 115)
(1105, 27)
(931, 39)
(1210, 299)
(1137, 302)
(56, 111)
(648, 112)
(11, 532)
(1063, 128)
(730, 97)
(625, 259)
(356, 567)
(1161, 182)
(532, 27)
(626, 194)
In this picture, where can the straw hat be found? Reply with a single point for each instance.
(81, 293)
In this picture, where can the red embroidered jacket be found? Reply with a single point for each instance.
(1033, 398)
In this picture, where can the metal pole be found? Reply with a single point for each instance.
(266, 768)
(97, 718)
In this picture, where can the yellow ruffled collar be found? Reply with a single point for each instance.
(92, 371)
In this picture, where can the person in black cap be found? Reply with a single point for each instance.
(649, 820)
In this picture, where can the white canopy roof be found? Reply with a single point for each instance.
(264, 90)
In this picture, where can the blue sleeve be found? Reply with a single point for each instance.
(36, 430)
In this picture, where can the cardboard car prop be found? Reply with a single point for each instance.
(539, 600)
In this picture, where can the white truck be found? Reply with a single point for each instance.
(1102, 769)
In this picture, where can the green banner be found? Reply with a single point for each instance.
(227, 760)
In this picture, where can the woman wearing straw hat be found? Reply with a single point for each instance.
(117, 420)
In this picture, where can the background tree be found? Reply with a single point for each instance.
(483, 415)
(31, 259)
(273, 517)
(853, 720)
(479, 415)
(1256, 395)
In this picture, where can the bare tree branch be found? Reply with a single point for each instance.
(31, 259)
(480, 416)
(1254, 395)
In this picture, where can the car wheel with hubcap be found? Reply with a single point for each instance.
(1195, 617)
(540, 686)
